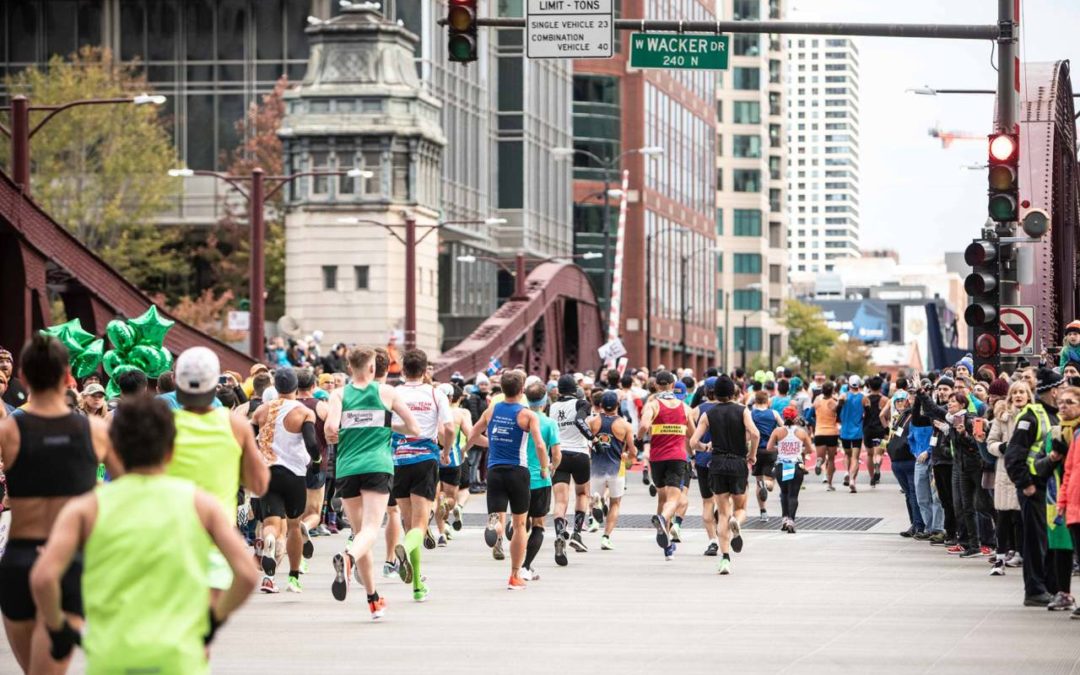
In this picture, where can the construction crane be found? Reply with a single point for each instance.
(947, 137)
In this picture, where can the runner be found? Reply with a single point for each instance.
(288, 444)
(827, 430)
(359, 426)
(450, 483)
(791, 444)
(503, 428)
(315, 479)
(611, 451)
(733, 431)
(851, 410)
(701, 465)
(766, 419)
(539, 483)
(145, 593)
(571, 413)
(416, 465)
(874, 431)
(668, 421)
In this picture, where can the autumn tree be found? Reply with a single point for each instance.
(101, 171)
(847, 357)
(809, 337)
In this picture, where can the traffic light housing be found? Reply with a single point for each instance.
(983, 287)
(1004, 169)
(462, 34)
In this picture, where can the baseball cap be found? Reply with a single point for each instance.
(92, 389)
(854, 381)
(680, 390)
(609, 401)
(256, 368)
(567, 384)
(710, 383)
(285, 380)
(197, 373)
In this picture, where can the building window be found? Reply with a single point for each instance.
(597, 123)
(329, 277)
(774, 200)
(361, 273)
(746, 10)
(747, 263)
(747, 112)
(774, 71)
(775, 232)
(774, 103)
(746, 146)
(747, 223)
(719, 111)
(748, 338)
(747, 180)
(746, 300)
(747, 44)
(720, 222)
(719, 263)
(747, 78)
(774, 168)
(720, 179)
(774, 276)
(719, 298)
(774, 136)
(719, 145)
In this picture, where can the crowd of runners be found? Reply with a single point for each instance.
(242, 473)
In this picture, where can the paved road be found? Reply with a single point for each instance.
(812, 602)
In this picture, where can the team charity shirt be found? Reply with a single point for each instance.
(431, 409)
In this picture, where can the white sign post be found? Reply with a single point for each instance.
(569, 29)
(239, 320)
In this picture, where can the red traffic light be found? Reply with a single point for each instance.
(980, 253)
(1003, 147)
(986, 346)
(980, 314)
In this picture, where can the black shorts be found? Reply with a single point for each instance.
(16, 599)
(574, 465)
(851, 443)
(418, 479)
(286, 497)
(873, 440)
(764, 464)
(256, 510)
(315, 478)
(508, 486)
(827, 441)
(703, 482)
(669, 473)
(728, 474)
(539, 502)
(351, 486)
(451, 475)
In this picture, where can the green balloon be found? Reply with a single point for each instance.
(121, 335)
(73, 330)
(150, 328)
(112, 390)
(89, 360)
(112, 361)
(143, 357)
(69, 341)
(162, 362)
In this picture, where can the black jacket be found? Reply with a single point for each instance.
(1016, 453)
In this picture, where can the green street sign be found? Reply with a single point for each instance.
(676, 50)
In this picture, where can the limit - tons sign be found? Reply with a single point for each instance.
(1017, 330)
(674, 50)
(569, 29)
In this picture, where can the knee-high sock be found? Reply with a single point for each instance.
(414, 539)
(532, 547)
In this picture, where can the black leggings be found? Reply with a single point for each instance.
(943, 480)
(1008, 531)
(1058, 570)
(789, 494)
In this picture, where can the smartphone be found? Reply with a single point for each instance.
(977, 426)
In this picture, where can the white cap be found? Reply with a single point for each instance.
(482, 379)
(447, 389)
(854, 381)
(197, 371)
(532, 379)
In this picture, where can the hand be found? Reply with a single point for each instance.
(543, 472)
(980, 435)
(1055, 456)
(444, 458)
(921, 459)
(63, 641)
(1055, 433)
(214, 625)
(1029, 490)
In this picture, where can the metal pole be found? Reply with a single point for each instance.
(744, 318)
(20, 142)
(1007, 108)
(648, 300)
(410, 281)
(771, 353)
(682, 298)
(519, 277)
(257, 266)
(608, 262)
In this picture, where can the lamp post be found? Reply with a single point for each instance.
(257, 195)
(21, 131)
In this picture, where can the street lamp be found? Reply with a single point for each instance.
(21, 132)
(257, 196)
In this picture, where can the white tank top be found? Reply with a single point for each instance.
(289, 446)
(789, 448)
(570, 439)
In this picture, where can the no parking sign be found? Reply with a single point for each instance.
(1017, 330)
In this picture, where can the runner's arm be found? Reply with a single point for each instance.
(699, 431)
(477, 435)
(753, 436)
(773, 437)
(808, 448)
(647, 415)
(581, 421)
(254, 474)
(68, 534)
(532, 425)
(232, 546)
(333, 417)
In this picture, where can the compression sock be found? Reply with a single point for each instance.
(413, 540)
(560, 526)
(532, 547)
(727, 556)
(373, 597)
(678, 520)
(579, 521)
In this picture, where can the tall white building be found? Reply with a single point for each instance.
(823, 162)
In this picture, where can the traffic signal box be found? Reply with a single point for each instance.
(983, 287)
(1004, 168)
(461, 24)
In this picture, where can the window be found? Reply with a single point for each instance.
(329, 277)
(719, 111)
(720, 263)
(746, 300)
(774, 168)
(747, 78)
(776, 231)
(719, 298)
(720, 221)
(747, 223)
(774, 276)
(747, 180)
(746, 146)
(747, 112)
(774, 136)
(748, 338)
(774, 200)
(774, 71)
(774, 103)
(747, 263)
(719, 145)
(746, 44)
(361, 273)
(597, 123)
(746, 10)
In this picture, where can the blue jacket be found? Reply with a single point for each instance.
(919, 439)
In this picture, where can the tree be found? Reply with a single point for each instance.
(848, 357)
(101, 171)
(809, 338)
(208, 313)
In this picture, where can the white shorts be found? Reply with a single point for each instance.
(614, 484)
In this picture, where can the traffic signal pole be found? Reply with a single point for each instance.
(1008, 101)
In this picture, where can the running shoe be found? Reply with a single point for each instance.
(458, 517)
(420, 594)
(662, 539)
(1014, 559)
(876, 478)
(998, 570)
(725, 566)
(594, 525)
(954, 549)
(343, 569)
(784, 524)
(429, 540)
(986, 550)
(736, 535)
(389, 569)
(605, 543)
(497, 550)
(321, 531)
(404, 567)
(304, 566)
(762, 491)
(669, 552)
(676, 533)
(577, 544)
(377, 608)
(597, 508)
(652, 490)
(294, 585)
(560, 552)
(442, 541)
(712, 549)
(764, 516)
(516, 584)
(449, 534)
(847, 480)
(970, 553)
(817, 466)
(491, 535)
(830, 489)
(1062, 602)
(267, 586)
(269, 560)
(332, 528)
(645, 475)
(1075, 614)
(526, 574)
(791, 527)
(851, 487)
(305, 535)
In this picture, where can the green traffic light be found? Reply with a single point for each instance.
(462, 48)
(1002, 208)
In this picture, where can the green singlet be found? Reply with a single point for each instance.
(207, 454)
(145, 595)
(364, 436)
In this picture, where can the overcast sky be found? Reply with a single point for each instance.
(915, 196)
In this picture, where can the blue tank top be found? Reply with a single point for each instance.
(507, 441)
(851, 418)
(607, 449)
(765, 421)
(702, 458)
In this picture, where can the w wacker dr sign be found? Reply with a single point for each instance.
(675, 50)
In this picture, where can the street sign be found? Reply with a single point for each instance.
(239, 320)
(569, 29)
(675, 50)
(1017, 330)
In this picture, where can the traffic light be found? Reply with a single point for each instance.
(461, 22)
(983, 289)
(1004, 194)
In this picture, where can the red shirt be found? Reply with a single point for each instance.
(668, 434)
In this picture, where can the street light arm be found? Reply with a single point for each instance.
(285, 180)
(231, 180)
(55, 109)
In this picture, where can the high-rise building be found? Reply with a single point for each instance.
(669, 280)
(751, 219)
(823, 165)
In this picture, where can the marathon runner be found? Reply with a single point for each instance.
(874, 431)
(571, 414)
(766, 419)
(791, 444)
(612, 450)
(539, 483)
(668, 421)
(701, 466)
(851, 410)
(827, 430)
(315, 479)
(358, 423)
(450, 474)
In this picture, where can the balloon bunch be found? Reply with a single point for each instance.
(137, 345)
(84, 349)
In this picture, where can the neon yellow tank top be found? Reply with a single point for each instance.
(145, 595)
(207, 454)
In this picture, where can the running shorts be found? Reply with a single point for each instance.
(703, 482)
(315, 478)
(451, 475)
(872, 441)
(827, 441)
(668, 473)
(16, 599)
(615, 484)
(418, 479)
(463, 479)
(574, 465)
(287, 495)
(219, 574)
(688, 477)
(728, 474)
(508, 486)
(351, 486)
(851, 443)
(539, 502)
(765, 463)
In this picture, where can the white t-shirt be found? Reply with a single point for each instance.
(429, 407)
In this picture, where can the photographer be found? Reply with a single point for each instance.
(967, 472)
(931, 404)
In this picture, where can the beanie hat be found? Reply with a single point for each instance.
(1072, 327)
(567, 384)
(945, 381)
(999, 388)
(967, 362)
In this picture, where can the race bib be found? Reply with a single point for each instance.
(668, 430)
(788, 472)
(357, 419)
